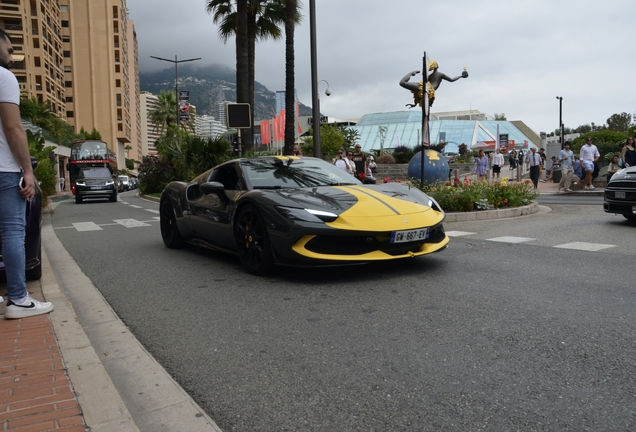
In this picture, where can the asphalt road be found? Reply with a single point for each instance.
(487, 334)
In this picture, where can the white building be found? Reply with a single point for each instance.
(206, 126)
(149, 133)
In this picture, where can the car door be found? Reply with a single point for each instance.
(210, 213)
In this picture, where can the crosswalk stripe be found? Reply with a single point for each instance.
(131, 223)
(459, 233)
(592, 247)
(510, 239)
(87, 226)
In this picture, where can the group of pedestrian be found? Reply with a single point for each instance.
(17, 185)
(355, 163)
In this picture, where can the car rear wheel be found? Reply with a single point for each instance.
(78, 199)
(169, 231)
(252, 242)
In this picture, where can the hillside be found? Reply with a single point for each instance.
(210, 85)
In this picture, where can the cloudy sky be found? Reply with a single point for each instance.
(520, 55)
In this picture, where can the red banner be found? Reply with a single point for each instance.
(266, 137)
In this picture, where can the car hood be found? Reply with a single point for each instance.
(362, 207)
(625, 174)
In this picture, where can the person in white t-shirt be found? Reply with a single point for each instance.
(589, 155)
(497, 163)
(17, 185)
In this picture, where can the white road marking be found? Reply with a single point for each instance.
(123, 202)
(135, 206)
(87, 226)
(592, 247)
(510, 239)
(152, 211)
(458, 233)
(131, 223)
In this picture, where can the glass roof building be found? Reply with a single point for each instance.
(403, 128)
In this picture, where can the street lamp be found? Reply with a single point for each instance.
(560, 98)
(176, 78)
(316, 119)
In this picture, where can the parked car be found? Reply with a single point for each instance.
(33, 241)
(95, 182)
(620, 194)
(299, 211)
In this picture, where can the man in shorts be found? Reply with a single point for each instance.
(589, 155)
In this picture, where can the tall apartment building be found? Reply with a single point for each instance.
(81, 56)
(99, 43)
(35, 28)
(149, 133)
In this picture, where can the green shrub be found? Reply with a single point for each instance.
(385, 159)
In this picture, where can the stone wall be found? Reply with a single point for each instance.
(400, 171)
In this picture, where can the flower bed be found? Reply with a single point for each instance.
(468, 195)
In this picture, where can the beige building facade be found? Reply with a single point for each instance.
(35, 28)
(100, 91)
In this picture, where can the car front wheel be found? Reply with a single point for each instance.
(252, 242)
(169, 231)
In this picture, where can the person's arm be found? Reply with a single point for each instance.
(16, 137)
(623, 151)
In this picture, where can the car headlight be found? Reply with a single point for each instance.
(433, 204)
(307, 215)
(110, 182)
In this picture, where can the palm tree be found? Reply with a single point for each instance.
(164, 113)
(263, 19)
(291, 10)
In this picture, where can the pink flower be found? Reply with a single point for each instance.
(387, 179)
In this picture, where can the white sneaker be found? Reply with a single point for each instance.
(586, 187)
(568, 190)
(27, 309)
(558, 189)
(592, 187)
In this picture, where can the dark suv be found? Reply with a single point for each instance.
(95, 182)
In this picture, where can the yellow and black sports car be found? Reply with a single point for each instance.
(299, 211)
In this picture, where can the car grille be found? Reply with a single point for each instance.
(622, 185)
(358, 245)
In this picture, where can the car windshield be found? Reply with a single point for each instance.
(278, 173)
(94, 173)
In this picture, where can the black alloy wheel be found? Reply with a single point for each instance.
(252, 242)
(169, 231)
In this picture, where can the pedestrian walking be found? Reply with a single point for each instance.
(497, 163)
(566, 159)
(533, 162)
(589, 155)
(481, 165)
(17, 185)
(62, 181)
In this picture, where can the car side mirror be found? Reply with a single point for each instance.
(214, 188)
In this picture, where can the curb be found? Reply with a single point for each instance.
(492, 214)
(118, 383)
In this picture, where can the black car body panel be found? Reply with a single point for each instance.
(314, 214)
(620, 194)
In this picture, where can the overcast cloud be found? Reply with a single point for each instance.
(519, 55)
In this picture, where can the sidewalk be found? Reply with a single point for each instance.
(79, 368)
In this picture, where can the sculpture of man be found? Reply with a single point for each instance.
(434, 80)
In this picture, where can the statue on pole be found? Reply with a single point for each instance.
(434, 80)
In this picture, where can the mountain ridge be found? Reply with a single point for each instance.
(209, 86)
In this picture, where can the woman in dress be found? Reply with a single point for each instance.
(481, 165)
(628, 154)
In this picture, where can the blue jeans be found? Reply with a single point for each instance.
(13, 232)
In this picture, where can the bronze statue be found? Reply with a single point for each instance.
(434, 80)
